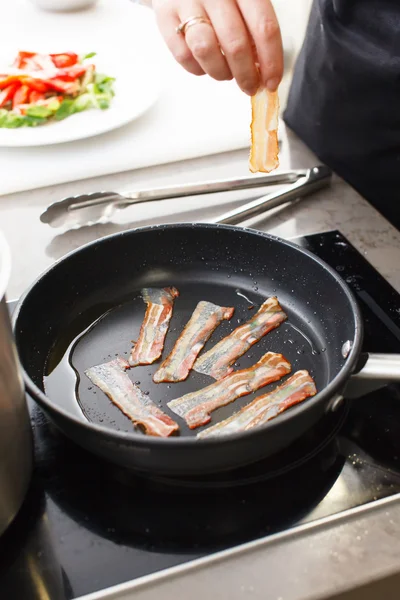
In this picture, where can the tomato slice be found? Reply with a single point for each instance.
(21, 96)
(72, 73)
(50, 73)
(8, 93)
(32, 61)
(68, 59)
(67, 87)
(35, 84)
(7, 80)
(35, 97)
(21, 59)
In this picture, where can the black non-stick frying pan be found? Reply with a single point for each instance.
(231, 266)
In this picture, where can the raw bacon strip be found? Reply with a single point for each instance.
(204, 320)
(112, 380)
(160, 304)
(264, 408)
(217, 361)
(264, 131)
(196, 407)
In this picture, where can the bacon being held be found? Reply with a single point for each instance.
(196, 407)
(114, 382)
(264, 408)
(160, 304)
(204, 320)
(217, 361)
(264, 131)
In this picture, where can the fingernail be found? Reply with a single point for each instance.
(272, 84)
(250, 92)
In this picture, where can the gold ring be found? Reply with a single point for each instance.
(184, 26)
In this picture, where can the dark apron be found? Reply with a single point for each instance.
(344, 101)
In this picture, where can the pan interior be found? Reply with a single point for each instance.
(100, 311)
(111, 336)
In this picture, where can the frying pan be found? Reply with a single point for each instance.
(100, 284)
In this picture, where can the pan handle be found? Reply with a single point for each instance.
(384, 367)
(315, 179)
(374, 372)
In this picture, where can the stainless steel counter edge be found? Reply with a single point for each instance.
(317, 560)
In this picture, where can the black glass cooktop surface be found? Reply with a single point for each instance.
(86, 526)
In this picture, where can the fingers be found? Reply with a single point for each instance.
(235, 42)
(167, 21)
(203, 43)
(261, 21)
(243, 40)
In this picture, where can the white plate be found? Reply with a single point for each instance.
(136, 89)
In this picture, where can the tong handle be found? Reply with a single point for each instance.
(314, 179)
(218, 185)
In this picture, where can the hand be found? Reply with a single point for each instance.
(243, 40)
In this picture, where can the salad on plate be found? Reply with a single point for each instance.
(40, 88)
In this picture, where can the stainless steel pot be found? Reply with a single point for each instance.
(15, 432)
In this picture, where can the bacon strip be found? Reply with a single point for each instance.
(204, 320)
(196, 407)
(112, 380)
(264, 408)
(264, 131)
(160, 304)
(217, 361)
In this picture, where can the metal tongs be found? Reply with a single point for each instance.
(87, 209)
